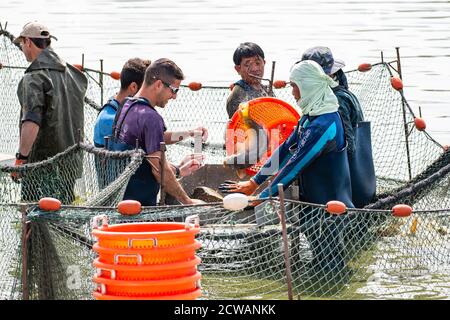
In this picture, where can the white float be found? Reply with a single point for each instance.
(235, 201)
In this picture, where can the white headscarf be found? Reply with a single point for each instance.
(316, 95)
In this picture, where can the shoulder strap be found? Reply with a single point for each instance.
(113, 103)
(116, 126)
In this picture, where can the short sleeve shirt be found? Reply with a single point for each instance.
(139, 120)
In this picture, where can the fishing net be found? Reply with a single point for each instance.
(363, 254)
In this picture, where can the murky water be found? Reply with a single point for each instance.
(201, 36)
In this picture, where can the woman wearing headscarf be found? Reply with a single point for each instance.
(315, 153)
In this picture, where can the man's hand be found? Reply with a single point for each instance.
(204, 133)
(245, 187)
(193, 156)
(16, 176)
(189, 167)
(197, 201)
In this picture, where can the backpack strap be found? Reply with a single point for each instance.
(118, 126)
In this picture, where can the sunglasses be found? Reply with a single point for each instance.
(173, 89)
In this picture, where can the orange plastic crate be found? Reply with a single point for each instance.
(145, 235)
(166, 287)
(182, 296)
(147, 272)
(146, 256)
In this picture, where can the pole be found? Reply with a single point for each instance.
(100, 81)
(272, 76)
(162, 148)
(282, 215)
(405, 123)
(25, 236)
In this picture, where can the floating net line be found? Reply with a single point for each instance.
(362, 254)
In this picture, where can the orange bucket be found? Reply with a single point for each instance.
(147, 256)
(163, 288)
(277, 117)
(183, 296)
(147, 272)
(146, 235)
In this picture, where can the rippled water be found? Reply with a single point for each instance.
(202, 35)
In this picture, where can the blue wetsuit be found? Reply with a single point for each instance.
(315, 153)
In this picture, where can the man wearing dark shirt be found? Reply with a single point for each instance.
(249, 63)
(138, 120)
(51, 95)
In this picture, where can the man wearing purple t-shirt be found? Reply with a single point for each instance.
(138, 120)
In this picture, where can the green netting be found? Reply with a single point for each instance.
(363, 254)
(80, 175)
(242, 252)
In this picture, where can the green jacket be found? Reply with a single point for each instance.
(51, 94)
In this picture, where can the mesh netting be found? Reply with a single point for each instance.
(362, 254)
(80, 175)
(243, 256)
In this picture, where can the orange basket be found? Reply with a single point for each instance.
(146, 256)
(183, 296)
(164, 287)
(275, 116)
(146, 235)
(147, 272)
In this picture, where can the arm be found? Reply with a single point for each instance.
(170, 184)
(277, 160)
(171, 137)
(233, 101)
(32, 94)
(314, 141)
(28, 135)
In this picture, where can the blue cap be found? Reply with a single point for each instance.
(324, 57)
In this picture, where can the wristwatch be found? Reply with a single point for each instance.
(177, 172)
(20, 156)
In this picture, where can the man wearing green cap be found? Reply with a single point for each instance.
(51, 95)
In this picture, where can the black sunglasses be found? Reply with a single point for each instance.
(173, 89)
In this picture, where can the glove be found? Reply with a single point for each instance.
(16, 176)
(227, 186)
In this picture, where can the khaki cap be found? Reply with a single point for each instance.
(34, 30)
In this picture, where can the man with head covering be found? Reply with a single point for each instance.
(357, 131)
(315, 153)
(51, 94)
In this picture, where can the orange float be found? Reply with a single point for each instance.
(397, 83)
(49, 204)
(115, 75)
(276, 117)
(78, 66)
(420, 124)
(363, 67)
(278, 84)
(401, 210)
(129, 207)
(195, 86)
(336, 207)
